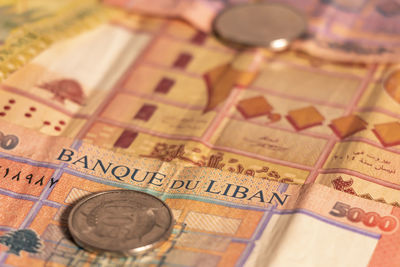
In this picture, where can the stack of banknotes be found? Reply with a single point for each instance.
(242, 156)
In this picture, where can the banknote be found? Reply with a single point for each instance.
(362, 30)
(199, 13)
(288, 117)
(222, 219)
(29, 27)
(15, 14)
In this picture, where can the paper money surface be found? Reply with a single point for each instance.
(16, 14)
(222, 219)
(29, 27)
(361, 30)
(113, 99)
(288, 117)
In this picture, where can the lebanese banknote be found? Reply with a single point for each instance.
(158, 88)
(363, 31)
(15, 14)
(222, 219)
(29, 27)
(199, 13)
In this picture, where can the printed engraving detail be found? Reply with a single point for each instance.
(65, 89)
(24, 239)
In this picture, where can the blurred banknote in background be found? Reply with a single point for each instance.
(360, 30)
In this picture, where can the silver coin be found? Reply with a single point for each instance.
(260, 24)
(122, 222)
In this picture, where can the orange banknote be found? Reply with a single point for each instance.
(222, 219)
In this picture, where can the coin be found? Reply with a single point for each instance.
(122, 222)
(260, 24)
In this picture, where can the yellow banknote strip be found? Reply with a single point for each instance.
(27, 40)
(222, 219)
(18, 13)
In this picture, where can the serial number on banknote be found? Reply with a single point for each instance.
(29, 178)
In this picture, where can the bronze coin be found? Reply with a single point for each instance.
(260, 24)
(121, 222)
